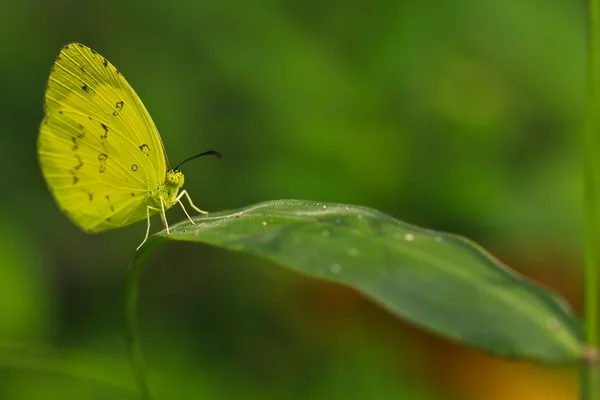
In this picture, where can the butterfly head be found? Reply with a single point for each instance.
(174, 179)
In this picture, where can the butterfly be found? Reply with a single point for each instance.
(99, 150)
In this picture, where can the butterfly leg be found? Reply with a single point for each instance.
(186, 213)
(164, 215)
(184, 192)
(148, 228)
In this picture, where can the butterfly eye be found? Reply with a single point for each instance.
(172, 179)
(175, 178)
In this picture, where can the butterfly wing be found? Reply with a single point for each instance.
(99, 149)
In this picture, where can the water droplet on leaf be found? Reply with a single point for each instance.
(335, 268)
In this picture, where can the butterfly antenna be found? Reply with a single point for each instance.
(206, 153)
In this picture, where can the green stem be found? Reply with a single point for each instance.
(132, 321)
(589, 377)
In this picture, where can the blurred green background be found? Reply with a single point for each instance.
(461, 116)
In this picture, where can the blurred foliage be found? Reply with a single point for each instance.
(461, 116)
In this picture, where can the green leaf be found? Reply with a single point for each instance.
(443, 283)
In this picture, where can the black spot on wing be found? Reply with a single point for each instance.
(80, 163)
(75, 146)
(145, 149)
(134, 167)
(105, 62)
(85, 88)
(118, 107)
(105, 134)
(102, 158)
(75, 178)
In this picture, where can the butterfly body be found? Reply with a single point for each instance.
(99, 150)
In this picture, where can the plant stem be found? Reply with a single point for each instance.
(589, 375)
(132, 322)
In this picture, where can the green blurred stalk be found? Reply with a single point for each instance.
(589, 372)
(131, 319)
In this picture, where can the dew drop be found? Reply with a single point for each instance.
(409, 237)
(324, 207)
(264, 223)
(335, 268)
(353, 252)
(325, 233)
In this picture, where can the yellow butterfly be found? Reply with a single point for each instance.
(99, 150)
